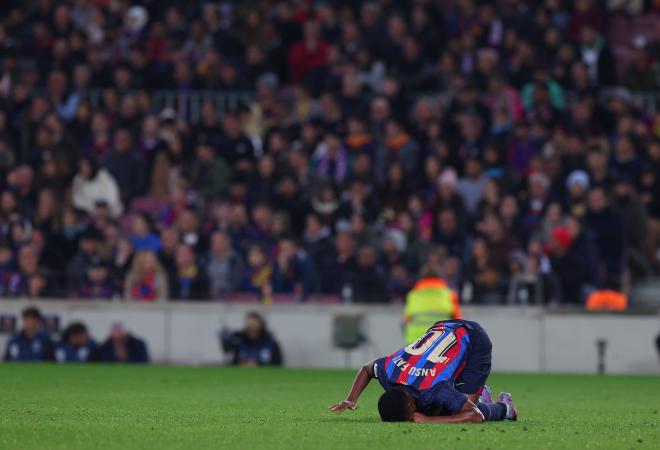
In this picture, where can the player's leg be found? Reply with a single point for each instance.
(472, 380)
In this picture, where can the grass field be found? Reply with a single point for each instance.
(108, 407)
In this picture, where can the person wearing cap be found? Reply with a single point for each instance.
(97, 284)
(32, 342)
(577, 185)
(429, 301)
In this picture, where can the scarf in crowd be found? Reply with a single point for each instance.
(186, 277)
(398, 141)
(357, 141)
(261, 277)
(145, 288)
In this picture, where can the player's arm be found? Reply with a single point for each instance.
(468, 414)
(364, 376)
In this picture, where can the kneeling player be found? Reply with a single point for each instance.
(438, 378)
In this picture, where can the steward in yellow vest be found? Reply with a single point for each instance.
(429, 301)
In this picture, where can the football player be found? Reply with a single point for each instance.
(440, 378)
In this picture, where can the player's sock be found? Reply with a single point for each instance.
(493, 411)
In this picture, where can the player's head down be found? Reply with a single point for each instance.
(396, 405)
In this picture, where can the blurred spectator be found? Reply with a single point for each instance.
(126, 165)
(608, 228)
(528, 285)
(449, 234)
(189, 281)
(368, 283)
(90, 248)
(254, 346)
(500, 243)
(292, 270)
(344, 264)
(570, 266)
(639, 74)
(143, 237)
(121, 347)
(76, 344)
(577, 185)
(318, 244)
(635, 221)
(472, 185)
(225, 266)
(210, 174)
(32, 342)
(484, 276)
(97, 284)
(310, 53)
(92, 186)
(258, 275)
(147, 280)
(596, 54)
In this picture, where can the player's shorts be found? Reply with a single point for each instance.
(472, 378)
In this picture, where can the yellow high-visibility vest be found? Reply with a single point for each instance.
(429, 301)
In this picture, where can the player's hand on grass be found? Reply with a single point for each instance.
(343, 406)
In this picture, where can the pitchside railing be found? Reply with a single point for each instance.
(187, 104)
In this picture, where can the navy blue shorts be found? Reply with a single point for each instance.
(477, 366)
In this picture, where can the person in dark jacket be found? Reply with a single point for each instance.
(569, 265)
(189, 281)
(367, 282)
(127, 166)
(253, 346)
(32, 343)
(293, 271)
(122, 347)
(76, 344)
(607, 226)
(636, 222)
(584, 244)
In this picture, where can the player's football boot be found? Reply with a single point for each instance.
(511, 411)
(486, 395)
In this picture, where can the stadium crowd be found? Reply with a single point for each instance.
(497, 142)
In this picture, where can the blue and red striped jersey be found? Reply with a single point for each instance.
(428, 367)
(439, 355)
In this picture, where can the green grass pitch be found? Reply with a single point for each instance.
(108, 407)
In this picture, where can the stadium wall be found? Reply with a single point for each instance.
(524, 339)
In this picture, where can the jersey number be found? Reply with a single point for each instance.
(437, 356)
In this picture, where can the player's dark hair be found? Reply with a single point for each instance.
(392, 406)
